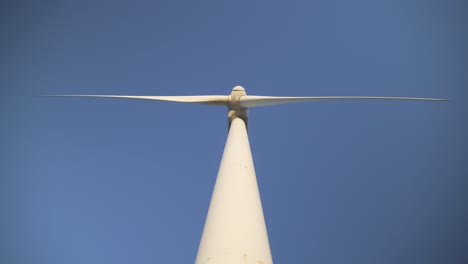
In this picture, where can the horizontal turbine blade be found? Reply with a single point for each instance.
(217, 100)
(254, 100)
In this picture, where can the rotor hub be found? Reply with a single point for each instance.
(235, 108)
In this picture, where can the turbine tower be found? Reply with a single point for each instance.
(235, 230)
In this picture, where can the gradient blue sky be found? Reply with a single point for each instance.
(87, 181)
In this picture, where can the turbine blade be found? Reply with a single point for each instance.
(254, 100)
(217, 100)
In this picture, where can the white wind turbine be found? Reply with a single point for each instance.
(235, 230)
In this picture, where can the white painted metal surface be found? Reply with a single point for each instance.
(235, 231)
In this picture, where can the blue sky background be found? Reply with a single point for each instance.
(125, 181)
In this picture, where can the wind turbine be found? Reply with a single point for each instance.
(235, 230)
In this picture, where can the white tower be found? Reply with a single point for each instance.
(235, 231)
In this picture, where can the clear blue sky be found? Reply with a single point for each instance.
(89, 181)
